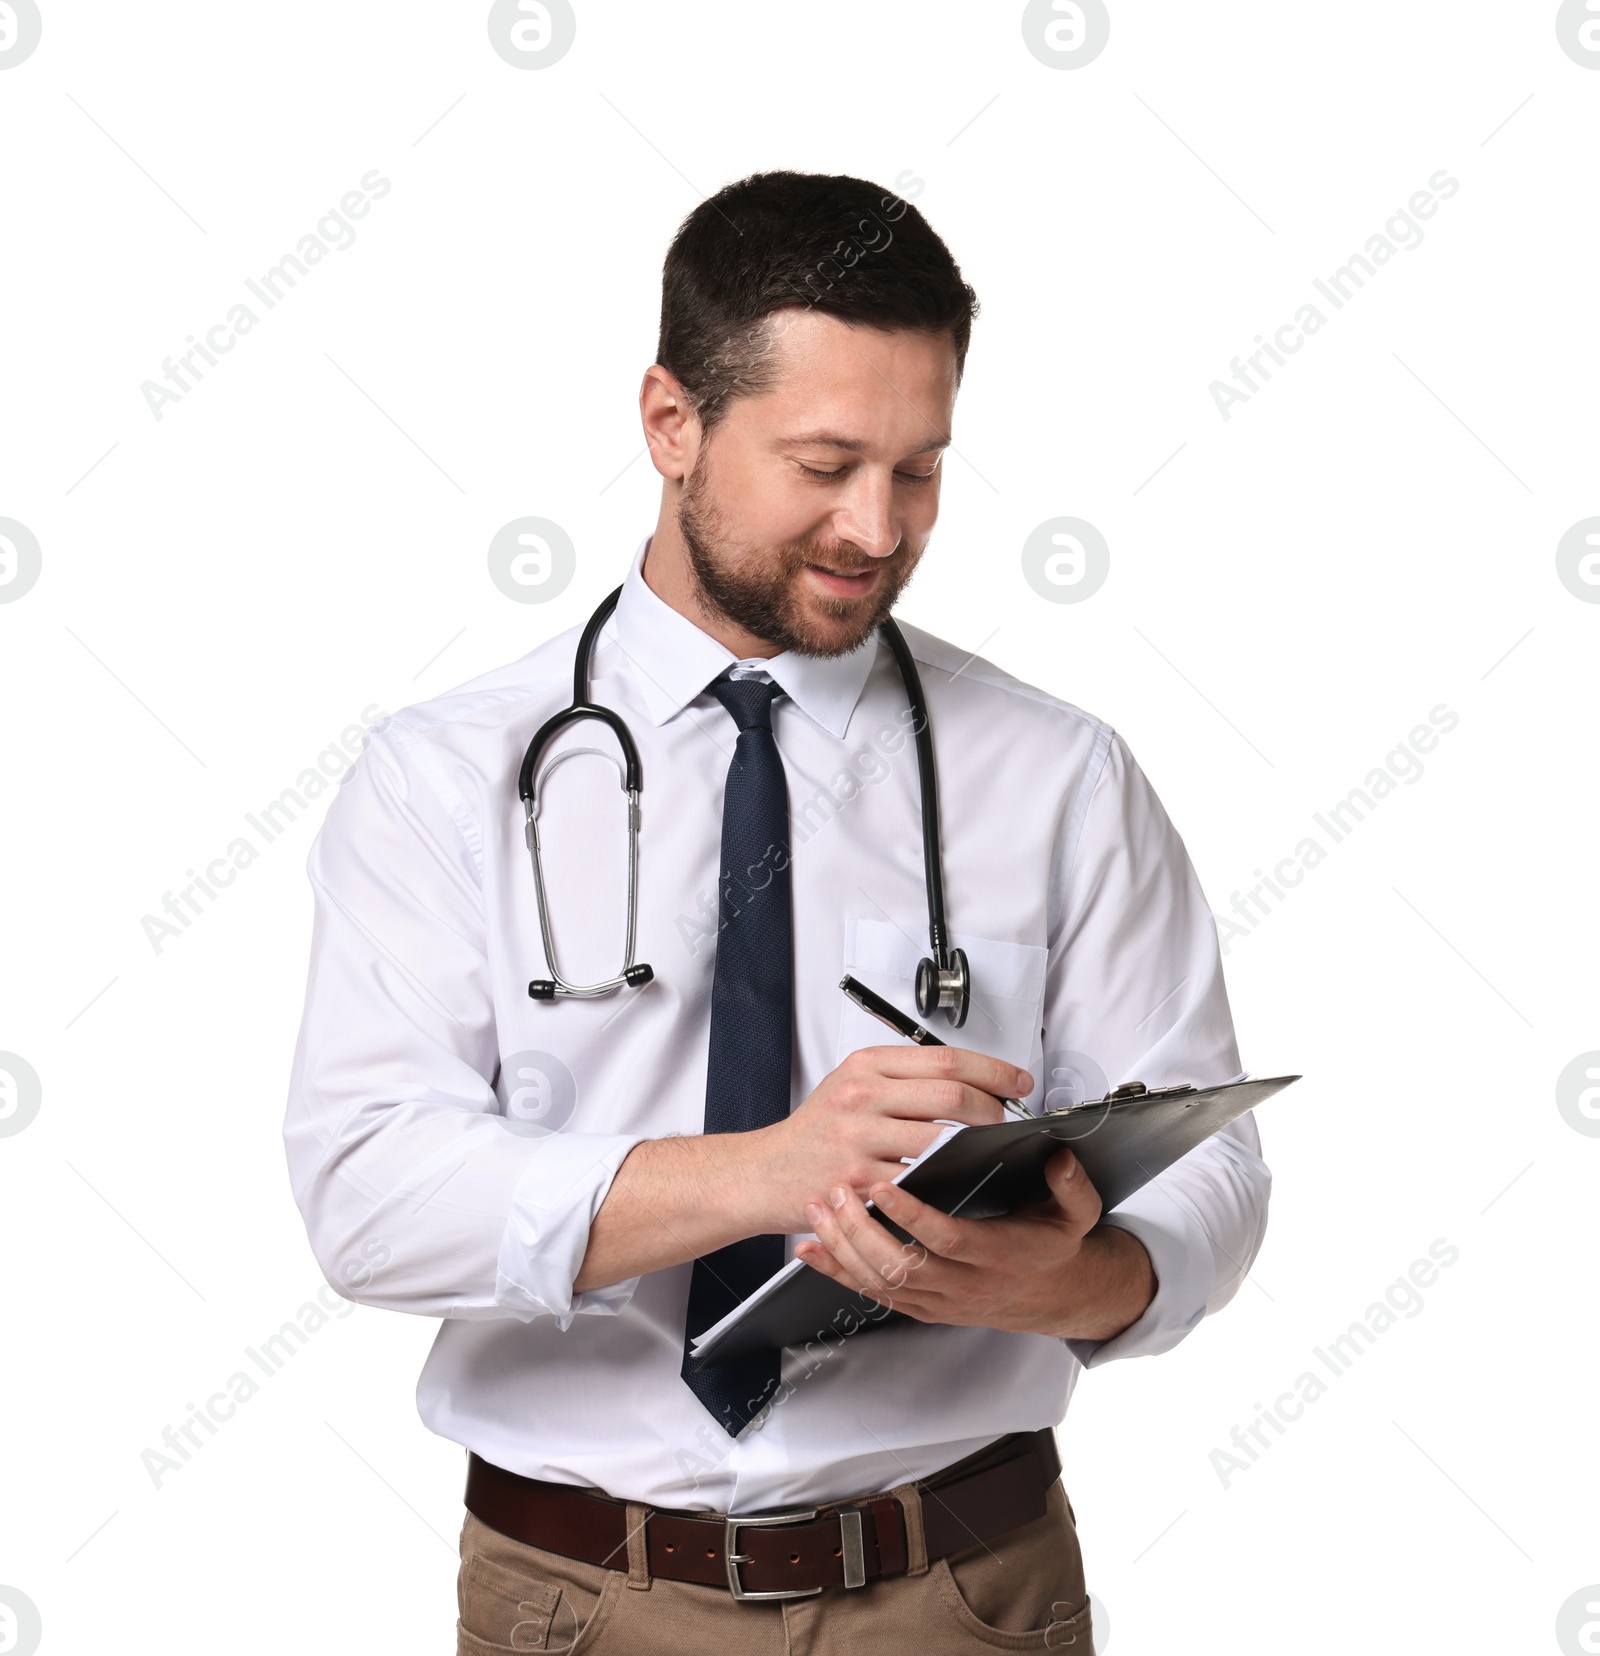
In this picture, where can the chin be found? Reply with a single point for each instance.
(827, 633)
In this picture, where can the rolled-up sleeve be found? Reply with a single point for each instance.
(1135, 992)
(418, 1194)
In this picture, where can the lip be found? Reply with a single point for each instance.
(844, 586)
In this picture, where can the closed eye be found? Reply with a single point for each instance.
(905, 477)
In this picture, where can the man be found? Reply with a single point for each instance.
(579, 1186)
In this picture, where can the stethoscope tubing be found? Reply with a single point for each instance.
(941, 981)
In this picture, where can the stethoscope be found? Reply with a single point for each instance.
(943, 981)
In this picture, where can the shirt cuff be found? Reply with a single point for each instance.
(547, 1231)
(1180, 1253)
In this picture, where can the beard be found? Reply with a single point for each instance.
(757, 588)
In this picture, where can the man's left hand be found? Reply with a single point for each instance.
(1045, 1269)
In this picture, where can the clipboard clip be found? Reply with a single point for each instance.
(1137, 1089)
(1123, 1094)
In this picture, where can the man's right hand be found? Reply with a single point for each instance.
(674, 1199)
(880, 1105)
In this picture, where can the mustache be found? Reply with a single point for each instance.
(840, 564)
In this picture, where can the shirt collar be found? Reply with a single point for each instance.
(675, 660)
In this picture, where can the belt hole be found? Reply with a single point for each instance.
(711, 1552)
(838, 1552)
(794, 1558)
(672, 1546)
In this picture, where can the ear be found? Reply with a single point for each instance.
(671, 427)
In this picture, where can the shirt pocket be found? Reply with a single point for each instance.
(1007, 994)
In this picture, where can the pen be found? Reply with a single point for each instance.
(886, 1012)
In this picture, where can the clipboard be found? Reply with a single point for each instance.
(1122, 1142)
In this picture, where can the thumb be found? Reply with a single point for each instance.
(1076, 1199)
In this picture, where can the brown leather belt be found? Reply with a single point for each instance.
(778, 1554)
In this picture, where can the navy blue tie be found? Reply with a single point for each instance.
(747, 1078)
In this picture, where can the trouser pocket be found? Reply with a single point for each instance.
(1024, 1589)
(512, 1597)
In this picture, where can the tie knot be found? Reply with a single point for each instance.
(748, 700)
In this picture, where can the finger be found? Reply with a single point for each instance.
(855, 1248)
(1077, 1201)
(921, 1307)
(944, 1100)
(866, 1250)
(816, 1255)
(819, 1259)
(894, 1143)
(895, 1139)
(949, 1238)
(893, 1260)
(996, 1076)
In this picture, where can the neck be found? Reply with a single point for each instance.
(669, 573)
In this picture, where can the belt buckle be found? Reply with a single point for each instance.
(730, 1534)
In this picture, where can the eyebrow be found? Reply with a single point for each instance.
(853, 445)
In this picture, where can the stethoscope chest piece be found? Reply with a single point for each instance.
(947, 989)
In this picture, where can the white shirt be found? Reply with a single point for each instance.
(450, 1140)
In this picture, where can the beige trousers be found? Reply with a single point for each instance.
(1023, 1590)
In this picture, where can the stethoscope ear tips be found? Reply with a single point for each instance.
(948, 990)
(635, 977)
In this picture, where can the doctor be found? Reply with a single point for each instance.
(578, 1186)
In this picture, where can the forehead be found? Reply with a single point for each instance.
(893, 388)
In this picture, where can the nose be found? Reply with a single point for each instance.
(866, 517)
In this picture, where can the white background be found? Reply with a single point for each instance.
(1291, 590)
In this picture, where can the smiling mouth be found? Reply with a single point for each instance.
(862, 576)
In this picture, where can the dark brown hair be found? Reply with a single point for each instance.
(835, 244)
